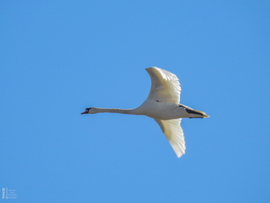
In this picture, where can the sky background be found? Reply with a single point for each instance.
(59, 57)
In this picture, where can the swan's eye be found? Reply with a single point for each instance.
(88, 109)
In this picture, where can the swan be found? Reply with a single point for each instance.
(163, 105)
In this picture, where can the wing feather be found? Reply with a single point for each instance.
(165, 86)
(174, 133)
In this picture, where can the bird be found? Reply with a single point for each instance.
(163, 105)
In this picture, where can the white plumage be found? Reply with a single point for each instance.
(165, 86)
(174, 133)
(163, 105)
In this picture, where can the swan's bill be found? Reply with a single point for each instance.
(86, 111)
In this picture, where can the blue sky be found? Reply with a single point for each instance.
(59, 57)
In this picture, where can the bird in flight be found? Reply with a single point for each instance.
(163, 105)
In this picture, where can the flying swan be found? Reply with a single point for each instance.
(163, 105)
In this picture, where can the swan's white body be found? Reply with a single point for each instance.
(162, 105)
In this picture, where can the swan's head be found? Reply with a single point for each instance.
(90, 110)
(193, 113)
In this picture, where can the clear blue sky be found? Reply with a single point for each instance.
(59, 57)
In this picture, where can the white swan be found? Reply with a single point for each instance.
(162, 105)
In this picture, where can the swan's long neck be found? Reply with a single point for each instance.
(123, 111)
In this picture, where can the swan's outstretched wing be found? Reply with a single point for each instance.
(174, 133)
(165, 86)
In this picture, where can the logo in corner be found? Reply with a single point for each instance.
(8, 194)
(3, 193)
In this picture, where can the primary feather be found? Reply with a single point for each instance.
(174, 133)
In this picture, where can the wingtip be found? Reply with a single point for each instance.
(180, 155)
(151, 67)
(179, 152)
